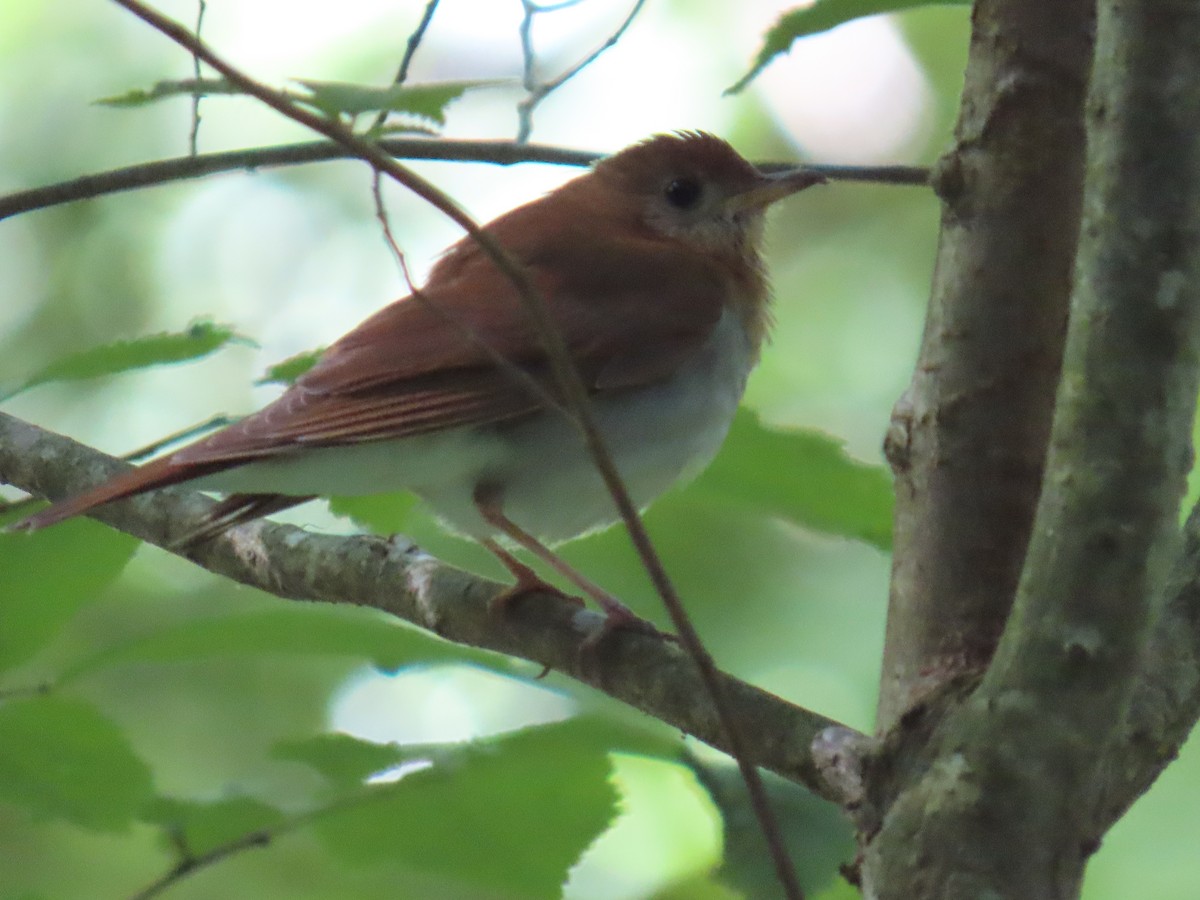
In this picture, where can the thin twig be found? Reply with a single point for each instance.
(178, 437)
(189, 864)
(194, 135)
(182, 168)
(410, 50)
(536, 91)
(513, 371)
(261, 837)
(502, 153)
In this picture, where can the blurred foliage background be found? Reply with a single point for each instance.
(184, 711)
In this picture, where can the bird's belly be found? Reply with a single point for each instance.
(547, 481)
(657, 435)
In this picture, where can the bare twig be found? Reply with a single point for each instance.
(185, 167)
(189, 864)
(410, 50)
(178, 437)
(503, 153)
(537, 91)
(194, 135)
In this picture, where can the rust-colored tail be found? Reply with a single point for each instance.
(153, 475)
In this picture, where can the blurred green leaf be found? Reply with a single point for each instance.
(840, 890)
(815, 830)
(425, 101)
(164, 90)
(47, 576)
(348, 761)
(378, 513)
(198, 340)
(345, 760)
(804, 477)
(293, 629)
(503, 817)
(203, 827)
(291, 368)
(62, 758)
(822, 15)
(697, 887)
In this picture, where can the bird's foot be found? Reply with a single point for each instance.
(527, 582)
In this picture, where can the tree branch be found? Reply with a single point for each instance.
(1005, 802)
(391, 575)
(183, 168)
(502, 153)
(968, 438)
(1166, 700)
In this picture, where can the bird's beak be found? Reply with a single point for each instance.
(771, 187)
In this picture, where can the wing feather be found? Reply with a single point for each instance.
(631, 312)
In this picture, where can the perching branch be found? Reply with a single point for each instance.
(650, 674)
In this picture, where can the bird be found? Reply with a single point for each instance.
(650, 267)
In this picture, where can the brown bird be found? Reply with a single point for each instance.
(650, 267)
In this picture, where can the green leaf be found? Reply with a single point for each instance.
(805, 821)
(501, 817)
(292, 630)
(164, 90)
(345, 760)
(291, 368)
(379, 513)
(46, 577)
(822, 15)
(203, 827)
(60, 757)
(426, 101)
(348, 761)
(804, 477)
(199, 340)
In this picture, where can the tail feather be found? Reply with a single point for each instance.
(234, 510)
(157, 474)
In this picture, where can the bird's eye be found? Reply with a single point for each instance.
(683, 193)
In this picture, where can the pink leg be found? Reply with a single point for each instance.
(617, 614)
(527, 580)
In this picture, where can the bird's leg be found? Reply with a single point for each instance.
(527, 580)
(616, 613)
